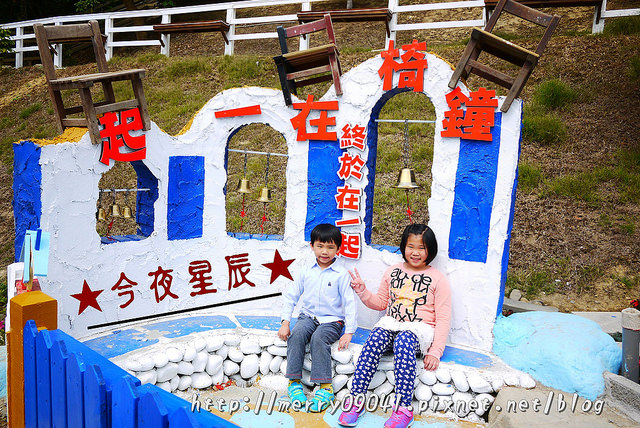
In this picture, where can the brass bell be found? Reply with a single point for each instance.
(101, 214)
(126, 212)
(265, 195)
(407, 179)
(243, 186)
(115, 211)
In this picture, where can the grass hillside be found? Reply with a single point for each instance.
(575, 240)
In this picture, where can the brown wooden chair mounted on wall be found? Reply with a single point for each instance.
(304, 64)
(46, 37)
(484, 40)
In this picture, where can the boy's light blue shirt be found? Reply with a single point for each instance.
(325, 294)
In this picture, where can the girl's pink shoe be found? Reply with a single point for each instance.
(349, 418)
(402, 418)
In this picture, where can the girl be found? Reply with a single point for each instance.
(417, 301)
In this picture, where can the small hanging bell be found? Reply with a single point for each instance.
(243, 185)
(101, 214)
(126, 212)
(265, 195)
(407, 179)
(115, 211)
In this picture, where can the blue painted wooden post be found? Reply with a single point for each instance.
(75, 390)
(43, 378)
(30, 391)
(95, 398)
(59, 357)
(182, 418)
(124, 404)
(151, 412)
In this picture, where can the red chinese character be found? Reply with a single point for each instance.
(300, 121)
(199, 279)
(124, 283)
(116, 134)
(350, 166)
(239, 267)
(411, 68)
(348, 198)
(476, 122)
(353, 137)
(351, 245)
(348, 222)
(162, 278)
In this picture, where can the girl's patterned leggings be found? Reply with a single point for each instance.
(405, 345)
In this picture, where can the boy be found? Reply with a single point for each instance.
(327, 304)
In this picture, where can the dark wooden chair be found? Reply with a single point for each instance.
(484, 40)
(310, 65)
(47, 36)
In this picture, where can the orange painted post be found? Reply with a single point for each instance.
(33, 305)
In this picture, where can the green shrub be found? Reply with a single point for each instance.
(634, 68)
(30, 110)
(545, 129)
(554, 94)
(529, 177)
(581, 186)
(186, 67)
(625, 25)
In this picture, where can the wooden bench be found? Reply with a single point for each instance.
(350, 15)
(194, 27)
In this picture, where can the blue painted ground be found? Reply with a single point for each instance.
(120, 342)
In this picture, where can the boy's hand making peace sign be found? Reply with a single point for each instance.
(356, 282)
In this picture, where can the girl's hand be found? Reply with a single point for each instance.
(431, 362)
(344, 341)
(356, 282)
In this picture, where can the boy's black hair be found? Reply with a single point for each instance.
(326, 232)
(428, 238)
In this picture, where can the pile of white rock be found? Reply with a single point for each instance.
(459, 391)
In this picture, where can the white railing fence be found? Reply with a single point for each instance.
(112, 23)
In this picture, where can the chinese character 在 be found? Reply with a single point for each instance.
(300, 121)
(350, 166)
(201, 281)
(353, 136)
(116, 133)
(124, 285)
(239, 267)
(477, 121)
(162, 278)
(351, 245)
(348, 198)
(411, 67)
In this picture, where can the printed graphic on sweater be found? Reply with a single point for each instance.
(407, 292)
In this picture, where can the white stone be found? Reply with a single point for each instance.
(428, 377)
(235, 355)
(218, 378)
(265, 362)
(339, 381)
(265, 341)
(160, 360)
(214, 343)
(146, 363)
(174, 382)
(437, 403)
(223, 352)
(249, 366)
(133, 365)
(345, 368)
(230, 367)
(478, 384)
(274, 365)
(239, 381)
(200, 343)
(443, 389)
(214, 364)
(279, 342)
(377, 379)
(512, 380)
(526, 382)
(443, 374)
(232, 340)
(277, 350)
(249, 347)
(342, 356)
(461, 402)
(200, 361)
(484, 403)
(306, 379)
(385, 365)
(164, 385)
(341, 394)
(474, 418)
(200, 380)
(189, 353)
(149, 376)
(459, 380)
(185, 382)
(497, 384)
(283, 367)
(385, 389)
(423, 392)
(387, 358)
(174, 354)
(306, 363)
(167, 372)
(185, 368)
(391, 377)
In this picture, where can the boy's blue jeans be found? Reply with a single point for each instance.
(321, 336)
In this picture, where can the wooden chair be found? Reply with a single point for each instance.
(47, 36)
(484, 40)
(304, 64)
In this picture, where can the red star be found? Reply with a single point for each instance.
(279, 267)
(87, 298)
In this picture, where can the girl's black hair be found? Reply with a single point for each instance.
(428, 238)
(326, 232)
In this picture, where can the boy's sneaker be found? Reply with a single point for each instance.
(349, 418)
(296, 393)
(321, 400)
(401, 418)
